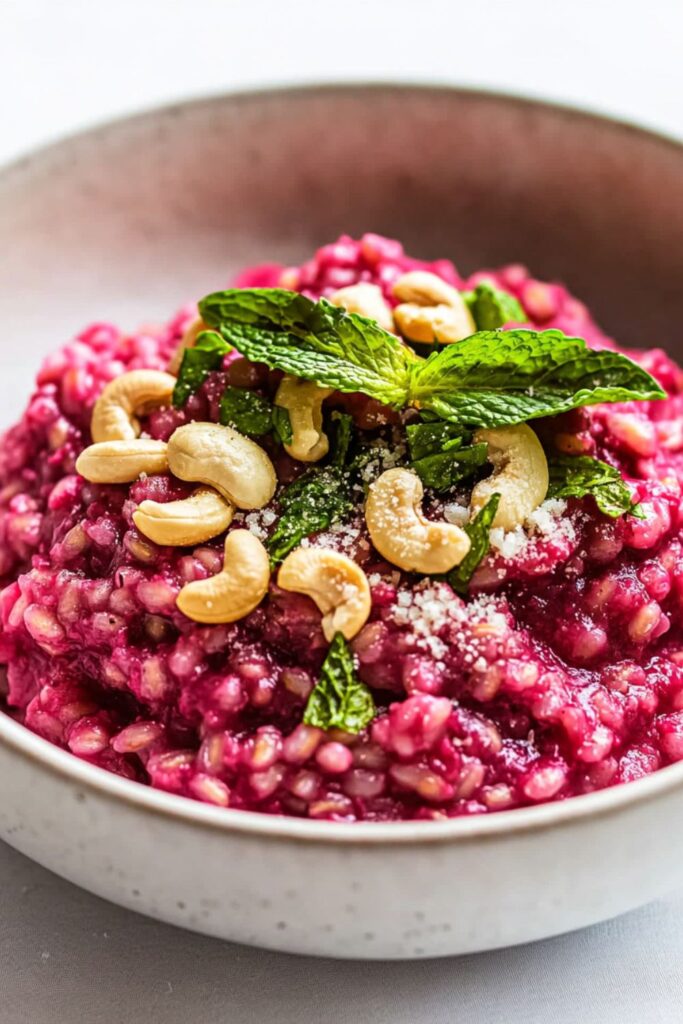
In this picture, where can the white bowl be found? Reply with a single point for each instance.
(130, 220)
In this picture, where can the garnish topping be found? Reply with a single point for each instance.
(339, 700)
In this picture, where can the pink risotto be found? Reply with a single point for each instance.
(423, 558)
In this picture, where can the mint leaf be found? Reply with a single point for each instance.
(575, 476)
(198, 362)
(479, 533)
(444, 470)
(341, 441)
(313, 340)
(339, 700)
(491, 307)
(496, 378)
(282, 425)
(246, 411)
(433, 437)
(312, 503)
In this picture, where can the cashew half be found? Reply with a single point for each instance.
(236, 590)
(338, 586)
(401, 533)
(188, 340)
(431, 310)
(520, 474)
(366, 300)
(113, 415)
(121, 462)
(208, 453)
(304, 400)
(192, 520)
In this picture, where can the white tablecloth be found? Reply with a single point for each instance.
(66, 957)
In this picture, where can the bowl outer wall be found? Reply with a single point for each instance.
(128, 220)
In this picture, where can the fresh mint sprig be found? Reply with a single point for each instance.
(197, 363)
(479, 532)
(340, 700)
(318, 498)
(247, 411)
(491, 307)
(497, 378)
(493, 378)
(575, 476)
(313, 340)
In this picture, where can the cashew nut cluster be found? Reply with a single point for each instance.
(235, 591)
(121, 462)
(337, 584)
(304, 401)
(208, 453)
(367, 300)
(520, 474)
(191, 520)
(140, 391)
(430, 309)
(188, 340)
(400, 532)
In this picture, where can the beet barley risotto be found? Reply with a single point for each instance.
(364, 541)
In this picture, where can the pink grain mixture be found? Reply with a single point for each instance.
(560, 674)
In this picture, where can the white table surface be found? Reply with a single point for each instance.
(67, 957)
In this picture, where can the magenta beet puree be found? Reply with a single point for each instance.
(560, 672)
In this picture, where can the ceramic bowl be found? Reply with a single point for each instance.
(130, 220)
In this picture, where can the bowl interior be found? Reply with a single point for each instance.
(129, 221)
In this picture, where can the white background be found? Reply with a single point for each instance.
(65, 64)
(68, 63)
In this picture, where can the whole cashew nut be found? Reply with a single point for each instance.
(520, 474)
(113, 415)
(338, 586)
(188, 340)
(191, 520)
(236, 590)
(208, 453)
(366, 300)
(304, 400)
(121, 462)
(401, 533)
(431, 310)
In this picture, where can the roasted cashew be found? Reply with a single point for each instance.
(121, 462)
(367, 300)
(113, 415)
(401, 533)
(208, 453)
(188, 340)
(337, 584)
(303, 400)
(191, 520)
(431, 310)
(236, 590)
(520, 474)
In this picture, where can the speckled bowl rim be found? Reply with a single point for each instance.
(91, 781)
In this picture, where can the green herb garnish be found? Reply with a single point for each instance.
(282, 425)
(443, 471)
(495, 378)
(339, 700)
(479, 533)
(198, 362)
(442, 455)
(575, 476)
(319, 498)
(246, 411)
(313, 340)
(433, 437)
(491, 307)
(491, 379)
